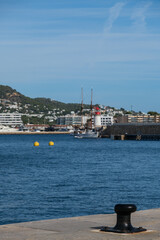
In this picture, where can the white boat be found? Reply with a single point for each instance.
(7, 129)
(87, 134)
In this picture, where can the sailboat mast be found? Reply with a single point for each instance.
(91, 106)
(82, 108)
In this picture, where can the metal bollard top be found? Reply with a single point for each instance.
(125, 208)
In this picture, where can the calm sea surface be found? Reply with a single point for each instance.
(75, 176)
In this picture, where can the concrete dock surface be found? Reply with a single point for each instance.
(83, 228)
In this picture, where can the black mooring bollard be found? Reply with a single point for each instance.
(123, 224)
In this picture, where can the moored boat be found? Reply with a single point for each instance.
(88, 134)
(7, 129)
(89, 131)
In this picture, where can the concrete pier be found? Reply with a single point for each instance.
(83, 228)
(139, 137)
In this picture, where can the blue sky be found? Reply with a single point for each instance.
(53, 48)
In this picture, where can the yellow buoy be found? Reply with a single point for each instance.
(36, 144)
(51, 143)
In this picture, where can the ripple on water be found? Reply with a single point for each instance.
(75, 176)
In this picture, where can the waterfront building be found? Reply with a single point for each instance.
(10, 119)
(74, 120)
(144, 118)
(102, 119)
(106, 120)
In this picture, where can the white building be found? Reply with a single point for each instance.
(71, 120)
(118, 112)
(106, 120)
(102, 119)
(74, 120)
(10, 119)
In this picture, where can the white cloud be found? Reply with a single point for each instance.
(139, 17)
(114, 13)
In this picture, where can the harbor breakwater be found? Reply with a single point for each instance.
(131, 129)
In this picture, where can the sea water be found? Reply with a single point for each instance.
(75, 176)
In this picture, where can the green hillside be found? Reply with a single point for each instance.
(33, 105)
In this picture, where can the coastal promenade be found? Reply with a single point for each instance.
(32, 133)
(83, 228)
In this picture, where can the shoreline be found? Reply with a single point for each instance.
(32, 133)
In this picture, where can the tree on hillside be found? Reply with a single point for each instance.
(152, 113)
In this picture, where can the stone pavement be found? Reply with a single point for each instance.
(83, 228)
